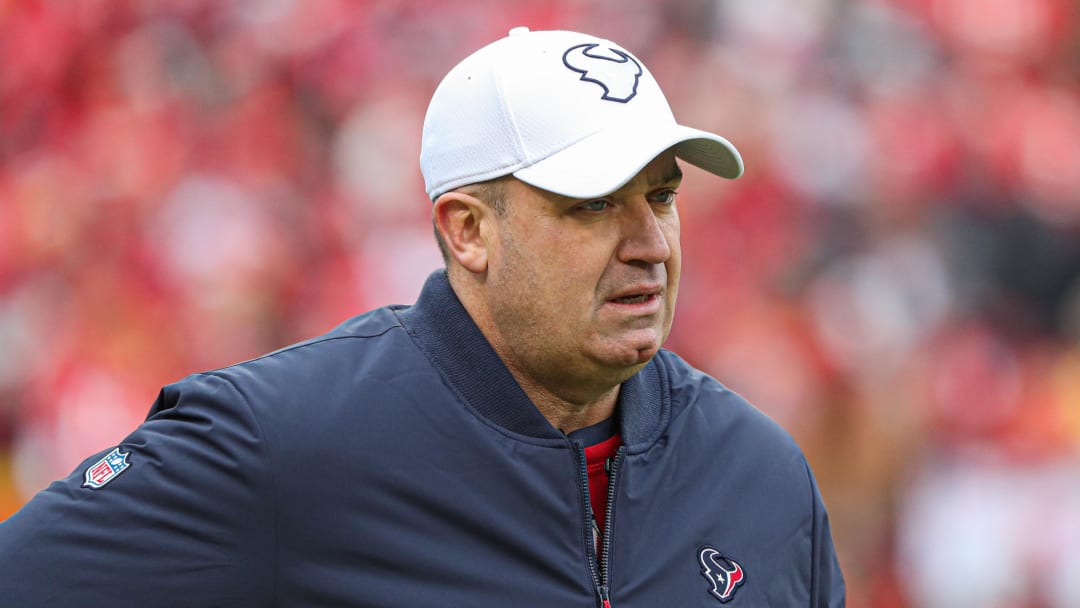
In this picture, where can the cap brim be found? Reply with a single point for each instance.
(605, 161)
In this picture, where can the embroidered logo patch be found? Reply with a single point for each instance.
(724, 574)
(614, 70)
(106, 469)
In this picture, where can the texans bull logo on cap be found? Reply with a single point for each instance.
(617, 75)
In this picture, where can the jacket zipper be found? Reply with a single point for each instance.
(609, 523)
(600, 575)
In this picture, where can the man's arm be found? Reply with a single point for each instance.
(179, 514)
(827, 586)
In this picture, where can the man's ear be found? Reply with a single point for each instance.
(459, 218)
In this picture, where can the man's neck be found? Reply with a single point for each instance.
(566, 408)
(568, 416)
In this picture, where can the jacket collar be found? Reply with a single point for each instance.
(443, 329)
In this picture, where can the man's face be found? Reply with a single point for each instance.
(581, 293)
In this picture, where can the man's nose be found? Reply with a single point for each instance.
(643, 236)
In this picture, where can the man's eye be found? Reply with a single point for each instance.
(597, 205)
(665, 197)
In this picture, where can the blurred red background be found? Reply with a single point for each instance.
(896, 279)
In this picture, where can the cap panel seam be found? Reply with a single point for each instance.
(509, 116)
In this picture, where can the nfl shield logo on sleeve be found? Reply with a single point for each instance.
(106, 469)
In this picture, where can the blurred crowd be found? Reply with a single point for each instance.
(189, 183)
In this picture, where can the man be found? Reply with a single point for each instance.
(516, 437)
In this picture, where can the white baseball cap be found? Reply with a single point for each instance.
(566, 112)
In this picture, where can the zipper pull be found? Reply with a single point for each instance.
(605, 596)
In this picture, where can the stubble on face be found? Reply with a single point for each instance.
(554, 276)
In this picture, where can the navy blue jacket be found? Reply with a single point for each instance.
(395, 462)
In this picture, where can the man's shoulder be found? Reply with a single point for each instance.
(728, 414)
(361, 332)
(319, 364)
(350, 333)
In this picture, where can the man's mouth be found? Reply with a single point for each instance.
(637, 295)
(638, 299)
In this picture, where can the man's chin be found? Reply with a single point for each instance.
(627, 351)
(633, 356)
(644, 355)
